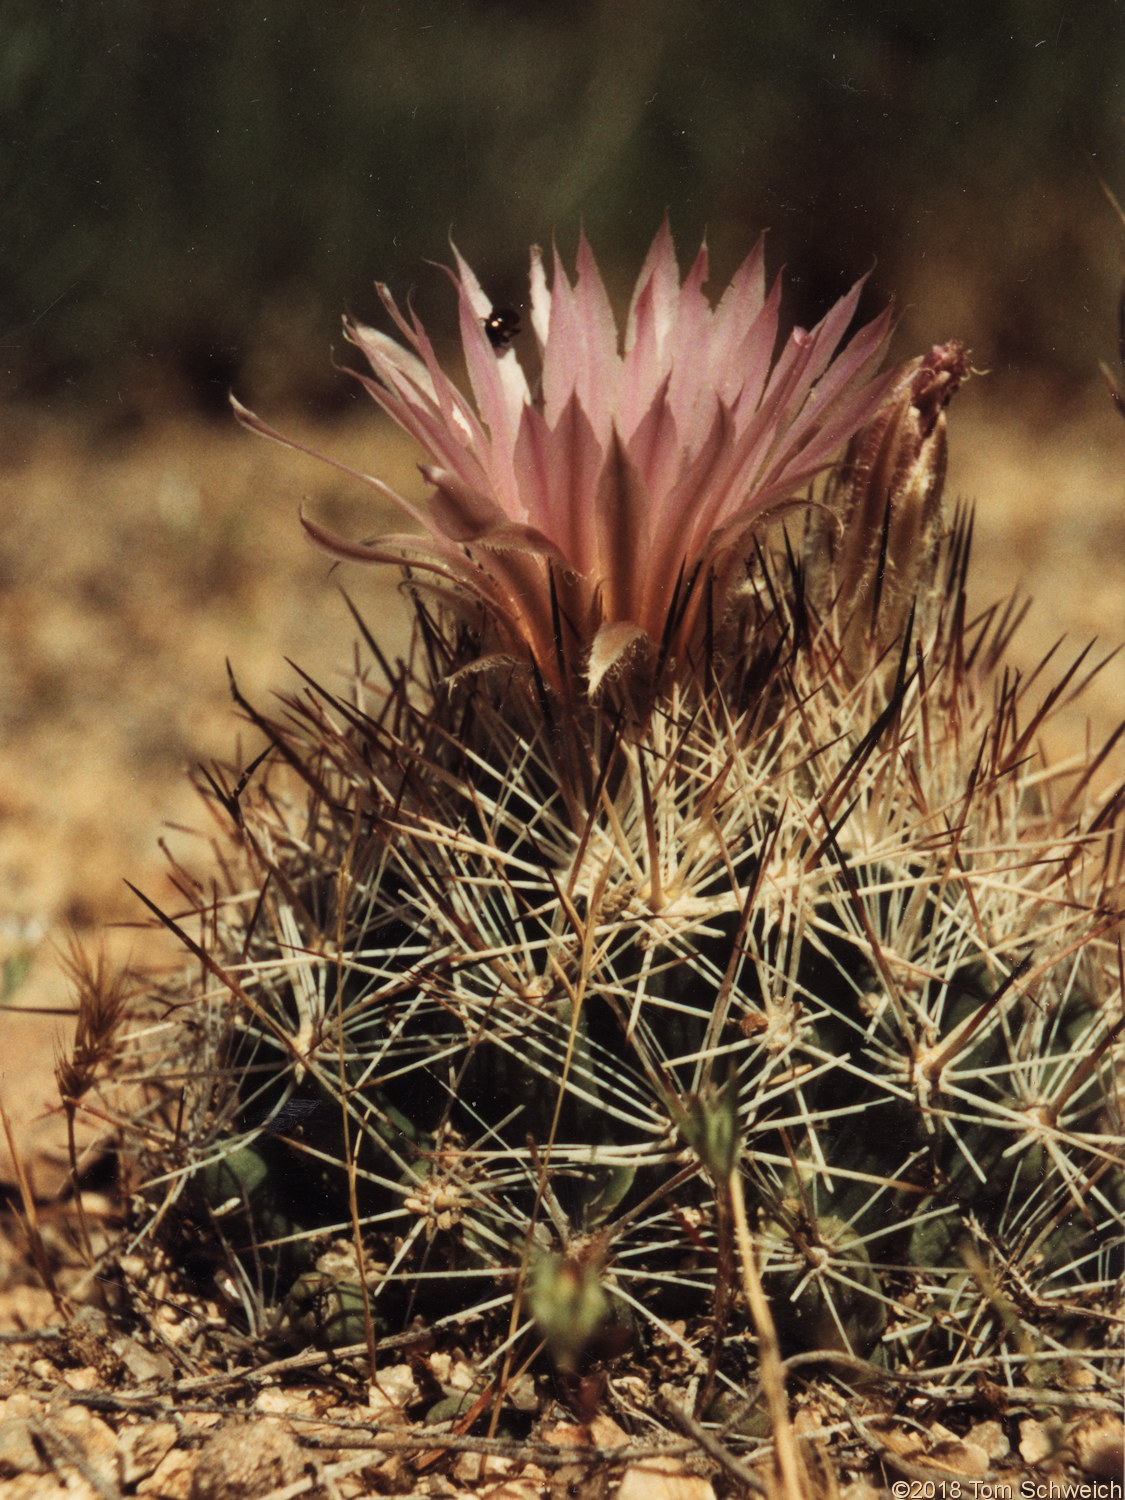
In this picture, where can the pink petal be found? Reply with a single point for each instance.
(623, 509)
(499, 386)
(691, 361)
(675, 525)
(263, 429)
(601, 368)
(428, 430)
(455, 410)
(738, 308)
(563, 351)
(645, 369)
(742, 383)
(540, 298)
(655, 445)
(557, 470)
(658, 286)
(465, 515)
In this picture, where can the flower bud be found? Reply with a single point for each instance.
(885, 500)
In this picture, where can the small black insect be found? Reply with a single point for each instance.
(501, 325)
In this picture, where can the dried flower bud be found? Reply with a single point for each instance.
(885, 501)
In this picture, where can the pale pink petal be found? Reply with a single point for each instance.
(658, 288)
(540, 298)
(644, 371)
(443, 442)
(737, 310)
(689, 390)
(655, 446)
(511, 379)
(499, 387)
(807, 354)
(455, 410)
(672, 550)
(562, 352)
(741, 379)
(384, 352)
(559, 468)
(601, 367)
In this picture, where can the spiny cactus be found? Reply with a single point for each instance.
(517, 958)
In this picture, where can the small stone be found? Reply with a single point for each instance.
(394, 1475)
(663, 1479)
(1099, 1446)
(992, 1438)
(1035, 1441)
(272, 1402)
(462, 1376)
(605, 1433)
(18, 1453)
(143, 1364)
(140, 1450)
(522, 1394)
(95, 1437)
(34, 1487)
(472, 1468)
(172, 1477)
(567, 1435)
(394, 1389)
(20, 1404)
(247, 1459)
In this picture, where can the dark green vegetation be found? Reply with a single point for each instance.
(192, 190)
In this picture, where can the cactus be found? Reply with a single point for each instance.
(527, 941)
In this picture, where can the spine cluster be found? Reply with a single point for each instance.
(489, 967)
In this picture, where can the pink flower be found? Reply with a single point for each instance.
(593, 520)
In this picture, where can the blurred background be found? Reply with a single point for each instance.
(193, 191)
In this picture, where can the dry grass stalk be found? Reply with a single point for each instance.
(102, 993)
(29, 1220)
